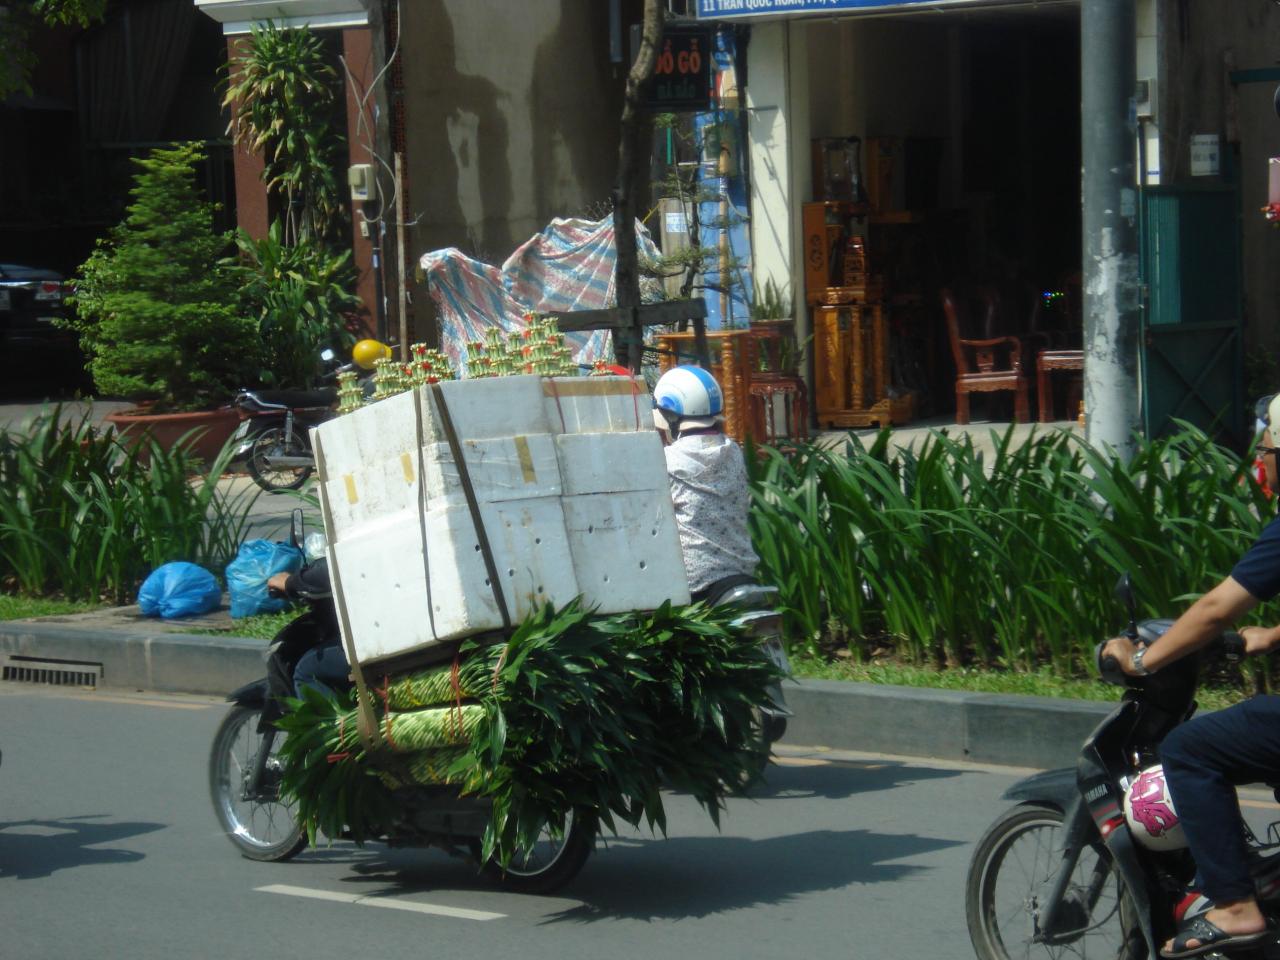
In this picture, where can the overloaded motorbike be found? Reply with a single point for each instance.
(1087, 861)
(245, 770)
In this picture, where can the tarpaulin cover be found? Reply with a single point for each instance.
(568, 266)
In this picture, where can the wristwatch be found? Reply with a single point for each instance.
(1135, 662)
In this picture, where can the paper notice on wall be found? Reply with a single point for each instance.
(1204, 155)
(675, 222)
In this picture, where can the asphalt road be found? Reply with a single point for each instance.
(109, 848)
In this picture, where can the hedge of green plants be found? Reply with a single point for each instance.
(941, 554)
(86, 516)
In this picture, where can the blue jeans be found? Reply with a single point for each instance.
(321, 667)
(1205, 759)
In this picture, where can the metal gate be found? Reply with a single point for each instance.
(1191, 321)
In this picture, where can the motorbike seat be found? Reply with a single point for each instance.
(297, 399)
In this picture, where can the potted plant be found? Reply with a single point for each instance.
(155, 308)
(773, 326)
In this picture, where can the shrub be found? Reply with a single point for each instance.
(155, 304)
(299, 296)
(84, 517)
(941, 555)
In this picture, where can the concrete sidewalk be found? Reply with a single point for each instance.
(121, 649)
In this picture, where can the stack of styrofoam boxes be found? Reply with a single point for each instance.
(572, 491)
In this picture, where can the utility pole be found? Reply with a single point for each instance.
(1110, 199)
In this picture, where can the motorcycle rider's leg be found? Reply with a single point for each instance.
(1204, 760)
(322, 666)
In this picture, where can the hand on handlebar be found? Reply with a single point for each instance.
(1120, 649)
(1259, 639)
(278, 585)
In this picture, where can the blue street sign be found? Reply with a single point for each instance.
(731, 9)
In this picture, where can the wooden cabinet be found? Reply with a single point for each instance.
(851, 382)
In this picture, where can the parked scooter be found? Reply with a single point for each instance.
(273, 439)
(1079, 866)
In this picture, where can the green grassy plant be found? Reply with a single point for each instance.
(84, 517)
(942, 555)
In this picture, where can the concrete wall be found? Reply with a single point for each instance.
(512, 114)
(1199, 40)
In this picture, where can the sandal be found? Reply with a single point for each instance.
(1211, 937)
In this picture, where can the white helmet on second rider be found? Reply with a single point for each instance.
(687, 398)
(1148, 809)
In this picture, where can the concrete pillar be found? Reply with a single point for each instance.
(1110, 201)
(253, 214)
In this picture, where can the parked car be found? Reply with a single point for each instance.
(36, 355)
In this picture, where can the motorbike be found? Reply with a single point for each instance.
(1063, 871)
(245, 770)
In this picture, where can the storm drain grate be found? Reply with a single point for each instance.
(60, 673)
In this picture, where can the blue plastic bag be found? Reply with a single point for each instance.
(179, 590)
(248, 573)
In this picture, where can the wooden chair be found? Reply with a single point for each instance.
(988, 365)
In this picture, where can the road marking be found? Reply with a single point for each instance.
(389, 903)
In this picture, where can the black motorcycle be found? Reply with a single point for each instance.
(1062, 873)
(273, 439)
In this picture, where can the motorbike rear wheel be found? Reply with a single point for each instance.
(552, 863)
(274, 441)
(260, 825)
(1013, 869)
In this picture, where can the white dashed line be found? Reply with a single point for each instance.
(388, 903)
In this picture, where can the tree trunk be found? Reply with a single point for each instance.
(633, 157)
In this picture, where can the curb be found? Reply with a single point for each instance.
(1021, 731)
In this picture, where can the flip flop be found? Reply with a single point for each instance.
(1211, 937)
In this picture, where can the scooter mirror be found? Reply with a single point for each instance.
(297, 528)
(1124, 593)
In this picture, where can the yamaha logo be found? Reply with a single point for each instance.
(1095, 793)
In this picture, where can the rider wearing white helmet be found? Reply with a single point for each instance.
(708, 482)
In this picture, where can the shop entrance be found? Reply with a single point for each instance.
(946, 159)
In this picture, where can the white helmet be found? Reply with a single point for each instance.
(1148, 809)
(687, 396)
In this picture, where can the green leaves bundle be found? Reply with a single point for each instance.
(576, 713)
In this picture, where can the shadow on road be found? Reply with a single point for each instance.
(689, 877)
(836, 780)
(36, 848)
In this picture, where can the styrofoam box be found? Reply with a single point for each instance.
(504, 468)
(626, 551)
(384, 580)
(608, 462)
(486, 408)
(597, 404)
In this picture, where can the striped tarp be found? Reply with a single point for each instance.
(568, 266)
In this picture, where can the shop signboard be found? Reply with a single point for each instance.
(733, 9)
(682, 73)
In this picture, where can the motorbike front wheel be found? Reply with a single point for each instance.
(1011, 876)
(277, 442)
(552, 862)
(260, 825)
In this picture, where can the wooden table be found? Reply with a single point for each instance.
(1047, 362)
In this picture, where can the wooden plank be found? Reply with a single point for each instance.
(651, 314)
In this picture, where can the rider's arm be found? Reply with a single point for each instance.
(1208, 617)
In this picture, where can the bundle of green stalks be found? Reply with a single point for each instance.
(594, 715)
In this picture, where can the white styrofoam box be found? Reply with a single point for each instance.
(384, 581)
(504, 468)
(485, 408)
(597, 404)
(370, 463)
(626, 551)
(611, 462)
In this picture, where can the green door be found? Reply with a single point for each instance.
(1191, 322)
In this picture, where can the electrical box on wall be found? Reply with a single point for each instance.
(360, 178)
(1144, 97)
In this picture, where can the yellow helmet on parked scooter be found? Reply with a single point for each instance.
(364, 353)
